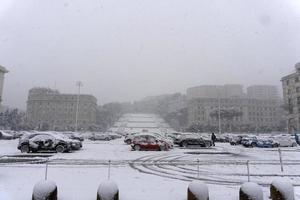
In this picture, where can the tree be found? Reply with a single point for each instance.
(12, 119)
(227, 115)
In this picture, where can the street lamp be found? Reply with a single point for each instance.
(219, 113)
(79, 85)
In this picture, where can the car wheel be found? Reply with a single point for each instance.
(207, 144)
(185, 144)
(107, 139)
(253, 145)
(128, 141)
(60, 149)
(25, 148)
(294, 144)
(162, 148)
(137, 147)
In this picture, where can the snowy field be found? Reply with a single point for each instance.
(145, 175)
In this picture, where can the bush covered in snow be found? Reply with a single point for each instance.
(45, 190)
(251, 191)
(282, 189)
(198, 191)
(108, 190)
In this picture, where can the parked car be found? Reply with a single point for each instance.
(285, 141)
(149, 143)
(193, 140)
(236, 140)
(43, 142)
(173, 135)
(114, 135)
(249, 141)
(100, 136)
(74, 136)
(266, 143)
(75, 144)
(222, 138)
(128, 138)
(6, 136)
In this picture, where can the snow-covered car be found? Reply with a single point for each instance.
(74, 136)
(222, 138)
(114, 135)
(149, 143)
(75, 144)
(285, 141)
(249, 141)
(6, 136)
(43, 142)
(236, 140)
(167, 140)
(266, 143)
(193, 140)
(173, 136)
(100, 136)
(128, 138)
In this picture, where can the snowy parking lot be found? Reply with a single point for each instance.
(145, 175)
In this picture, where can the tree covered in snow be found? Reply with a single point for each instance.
(13, 119)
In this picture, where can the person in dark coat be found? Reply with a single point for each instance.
(213, 138)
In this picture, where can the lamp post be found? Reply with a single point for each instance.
(79, 85)
(219, 111)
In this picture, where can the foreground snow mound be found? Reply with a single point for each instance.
(251, 191)
(45, 190)
(198, 190)
(282, 189)
(108, 190)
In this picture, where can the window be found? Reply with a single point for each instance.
(297, 79)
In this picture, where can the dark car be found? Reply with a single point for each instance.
(39, 142)
(74, 136)
(264, 143)
(249, 141)
(74, 144)
(236, 140)
(193, 140)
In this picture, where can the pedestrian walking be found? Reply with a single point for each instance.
(213, 138)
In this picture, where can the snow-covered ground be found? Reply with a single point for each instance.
(148, 175)
(144, 175)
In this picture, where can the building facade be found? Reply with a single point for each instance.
(242, 112)
(2, 72)
(262, 92)
(291, 98)
(48, 109)
(215, 91)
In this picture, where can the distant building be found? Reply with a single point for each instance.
(2, 72)
(49, 109)
(291, 97)
(215, 91)
(256, 114)
(262, 92)
(258, 111)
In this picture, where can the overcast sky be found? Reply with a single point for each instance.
(123, 50)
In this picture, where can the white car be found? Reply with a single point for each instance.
(100, 136)
(285, 141)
